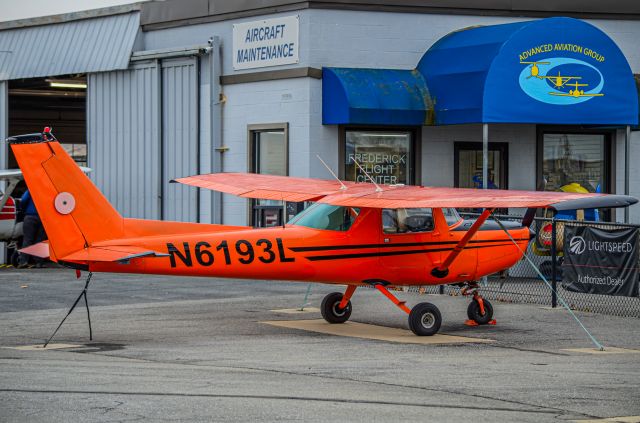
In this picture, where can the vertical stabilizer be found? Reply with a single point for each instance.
(73, 211)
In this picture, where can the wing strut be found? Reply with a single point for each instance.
(443, 270)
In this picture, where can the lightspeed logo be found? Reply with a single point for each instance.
(577, 245)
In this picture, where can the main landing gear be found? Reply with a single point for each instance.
(424, 318)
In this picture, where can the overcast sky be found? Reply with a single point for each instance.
(20, 9)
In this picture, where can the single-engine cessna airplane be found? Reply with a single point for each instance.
(355, 234)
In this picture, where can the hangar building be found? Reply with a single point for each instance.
(410, 89)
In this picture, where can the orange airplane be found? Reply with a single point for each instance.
(355, 234)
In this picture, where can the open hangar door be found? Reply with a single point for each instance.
(57, 102)
(28, 105)
(143, 132)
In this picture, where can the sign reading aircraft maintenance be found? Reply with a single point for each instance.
(271, 42)
(602, 262)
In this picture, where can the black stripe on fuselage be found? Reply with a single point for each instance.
(394, 253)
(390, 245)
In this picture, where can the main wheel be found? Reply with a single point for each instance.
(425, 319)
(330, 310)
(473, 312)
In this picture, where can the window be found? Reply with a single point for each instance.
(399, 221)
(328, 217)
(578, 159)
(268, 154)
(468, 165)
(451, 216)
(386, 155)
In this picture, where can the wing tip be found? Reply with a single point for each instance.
(596, 202)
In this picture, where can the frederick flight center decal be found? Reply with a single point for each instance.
(553, 79)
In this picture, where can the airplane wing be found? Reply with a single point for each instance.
(268, 187)
(251, 185)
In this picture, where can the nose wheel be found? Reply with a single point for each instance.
(476, 314)
(480, 310)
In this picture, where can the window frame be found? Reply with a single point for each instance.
(252, 165)
(415, 172)
(609, 151)
(396, 220)
(502, 147)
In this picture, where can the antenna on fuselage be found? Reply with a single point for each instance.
(342, 185)
(378, 189)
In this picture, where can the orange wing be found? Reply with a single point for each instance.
(251, 185)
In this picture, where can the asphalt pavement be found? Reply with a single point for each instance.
(196, 349)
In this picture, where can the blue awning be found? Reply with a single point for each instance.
(369, 96)
(548, 71)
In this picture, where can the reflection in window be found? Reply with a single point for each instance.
(326, 216)
(385, 155)
(574, 159)
(268, 155)
(399, 221)
(451, 216)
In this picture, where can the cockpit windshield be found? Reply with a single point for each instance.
(326, 216)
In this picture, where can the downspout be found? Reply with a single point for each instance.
(215, 116)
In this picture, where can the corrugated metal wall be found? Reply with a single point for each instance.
(87, 45)
(123, 120)
(4, 122)
(143, 132)
(180, 137)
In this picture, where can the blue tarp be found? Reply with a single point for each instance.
(548, 71)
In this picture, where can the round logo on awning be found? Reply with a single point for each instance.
(561, 80)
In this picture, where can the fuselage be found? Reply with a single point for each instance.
(363, 252)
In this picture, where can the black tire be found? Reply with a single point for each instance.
(425, 319)
(473, 312)
(330, 311)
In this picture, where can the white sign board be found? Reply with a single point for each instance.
(272, 42)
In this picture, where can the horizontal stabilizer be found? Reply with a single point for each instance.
(116, 253)
(41, 249)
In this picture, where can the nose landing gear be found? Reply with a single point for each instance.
(480, 310)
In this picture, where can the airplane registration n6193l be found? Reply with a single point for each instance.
(354, 234)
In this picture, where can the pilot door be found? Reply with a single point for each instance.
(414, 241)
(407, 248)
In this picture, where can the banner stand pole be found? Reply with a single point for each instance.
(554, 262)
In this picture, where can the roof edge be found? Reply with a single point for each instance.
(72, 16)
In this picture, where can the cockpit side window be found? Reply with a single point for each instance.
(400, 221)
(327, 217)
(451, 216)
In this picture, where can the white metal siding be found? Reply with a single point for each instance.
(124, 145)
(179, 137)
(88, 45)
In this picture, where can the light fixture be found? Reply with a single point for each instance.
(66, 83)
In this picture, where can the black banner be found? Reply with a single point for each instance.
(598, 261)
